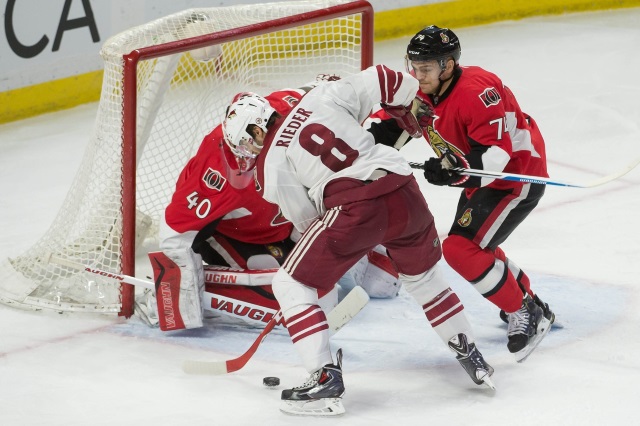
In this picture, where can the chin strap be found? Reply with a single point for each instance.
(443, 65)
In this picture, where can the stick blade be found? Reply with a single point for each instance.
(348, 308)
(212, 368)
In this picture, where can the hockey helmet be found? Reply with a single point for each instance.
(434, 43)
(247, 108)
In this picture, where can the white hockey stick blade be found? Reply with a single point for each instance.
(540, 180)
(127, 279)
(348, 308)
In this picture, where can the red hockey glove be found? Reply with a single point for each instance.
(425, 114)
(405, 118)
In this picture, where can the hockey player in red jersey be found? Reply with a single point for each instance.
(346, 195)
(216, 216)
(473, 120)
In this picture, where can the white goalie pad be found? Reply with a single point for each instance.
(375, 274)
(179, 280)
(240, 296)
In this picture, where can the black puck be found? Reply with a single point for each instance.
(271, 381)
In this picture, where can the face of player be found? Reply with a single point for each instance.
(258, 140)
(430, 75)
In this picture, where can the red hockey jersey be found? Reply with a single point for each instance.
(480, 118)
(210, 187)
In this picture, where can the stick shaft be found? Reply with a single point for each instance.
(537, 179)
(337, 318)
(127, 279)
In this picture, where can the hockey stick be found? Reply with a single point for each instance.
(212, 274)
(537, 179)
(127, 279)
(337, 318)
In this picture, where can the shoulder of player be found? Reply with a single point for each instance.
(476, 88)
(284, 100)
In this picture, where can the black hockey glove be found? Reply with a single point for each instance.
(405, 118)
(438, 171)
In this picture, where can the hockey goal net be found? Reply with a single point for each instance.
(166, 85)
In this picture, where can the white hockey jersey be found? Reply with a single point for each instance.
(322, 139)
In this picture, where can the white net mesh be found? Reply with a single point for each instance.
(179, 101)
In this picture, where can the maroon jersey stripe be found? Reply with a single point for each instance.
(443, 307)
(306, 323)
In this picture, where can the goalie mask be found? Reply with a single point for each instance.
(247, 108)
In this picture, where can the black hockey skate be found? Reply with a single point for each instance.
(320, 395)
(527, 327)
(548, 314)
(472, 361)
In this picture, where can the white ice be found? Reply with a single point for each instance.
(577, 75)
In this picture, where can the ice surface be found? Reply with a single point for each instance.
(577, 76)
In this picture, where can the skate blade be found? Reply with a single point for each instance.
(543, 329)
(316, 407)
(487, 382)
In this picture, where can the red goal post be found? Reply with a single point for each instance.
(165, 86)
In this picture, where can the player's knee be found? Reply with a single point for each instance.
(291, 293)
(457, 251)
(467, 258)
(426, 286)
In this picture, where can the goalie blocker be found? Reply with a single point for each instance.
(246, 294)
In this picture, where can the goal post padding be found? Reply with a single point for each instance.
(165, 86)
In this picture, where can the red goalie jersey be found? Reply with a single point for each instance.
(211, 193)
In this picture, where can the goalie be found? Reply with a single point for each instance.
(216, 216)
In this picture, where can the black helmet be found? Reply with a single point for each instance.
(434, 43)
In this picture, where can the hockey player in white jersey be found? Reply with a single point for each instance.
(346, 195)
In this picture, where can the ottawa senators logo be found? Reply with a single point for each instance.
(465, 219)
(437, 142)
(444, 37)
(290, 100)
(275, 251)
(213, 179)
(490, 96)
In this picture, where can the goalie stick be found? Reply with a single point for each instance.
(337, 318)
(127, 279)
(212, 274)
(537, 179)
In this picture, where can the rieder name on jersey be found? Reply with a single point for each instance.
(286, 133)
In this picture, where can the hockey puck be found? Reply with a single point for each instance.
(271, 382)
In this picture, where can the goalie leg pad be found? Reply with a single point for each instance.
(179, 281)
(380, 277)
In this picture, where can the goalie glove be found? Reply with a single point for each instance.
(439, 171)
(320, 79)
(405, 117)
